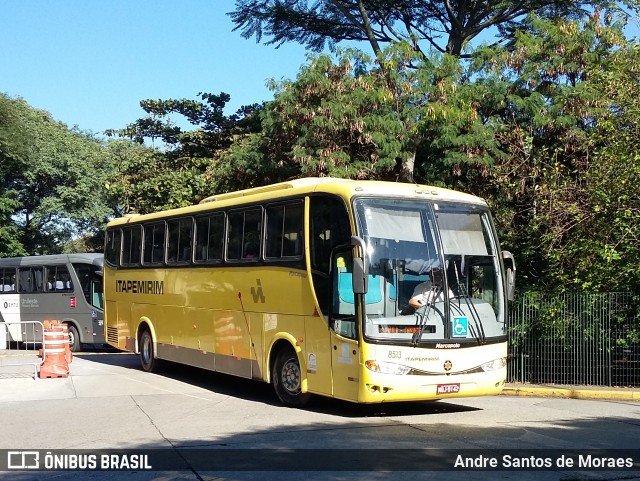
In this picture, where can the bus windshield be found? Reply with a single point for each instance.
(90, 277)
(434, 272)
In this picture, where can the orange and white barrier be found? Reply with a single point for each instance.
(67, 347)
(54, 363)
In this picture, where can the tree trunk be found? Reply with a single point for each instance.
(403, 171)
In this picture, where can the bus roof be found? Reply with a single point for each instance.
(87, 258)
(346, 188)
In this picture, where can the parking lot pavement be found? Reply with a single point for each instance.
(99, 374)
(108, 403)
(91, 375)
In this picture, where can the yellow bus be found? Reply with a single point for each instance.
(306, 285)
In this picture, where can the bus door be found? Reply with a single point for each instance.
(343, 322)
(97, 307)
(90, 280)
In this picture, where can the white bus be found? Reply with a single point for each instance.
(64, 287)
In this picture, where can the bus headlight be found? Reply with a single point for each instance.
(494, 365)
(387, 367)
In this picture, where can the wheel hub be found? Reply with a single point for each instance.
(291, 376)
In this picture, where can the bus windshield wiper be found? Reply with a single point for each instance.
(422, 318)
(477, 329)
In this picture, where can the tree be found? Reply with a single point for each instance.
(351, 118)
(142, 179)
(52, 184)
(566, 193)
(541, 129)
(446, 26)
(213, 129)
(179, 173)
(13, 145)
(409, 22)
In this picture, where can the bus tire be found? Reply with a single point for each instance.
(287, 379)
(148, 359)
(74, 339)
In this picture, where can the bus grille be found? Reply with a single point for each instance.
(112, 335)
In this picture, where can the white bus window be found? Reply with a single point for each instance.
(30, 279)
(7, 280)
(154, 243)
(59, 279)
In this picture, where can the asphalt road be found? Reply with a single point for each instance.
(108, 403)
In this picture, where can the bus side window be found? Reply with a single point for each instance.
(97, 292)
(154, 243)
(59, 279)
(252, 238)
(209, 238)
(131, 245)
(284, 230)
(244, 234)
(8, 280)
(113, 246)
(30, 279)
(180, 241)
(329, 228)
(91, 283)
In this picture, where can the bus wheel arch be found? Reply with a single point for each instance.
(147, 348)
(74, 336)
(286, 375)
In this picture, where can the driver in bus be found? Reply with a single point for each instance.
(429, 291)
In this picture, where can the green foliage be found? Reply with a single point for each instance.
(543, 128)
(185, 170)
(51, 188)
(12, 150)
(143, 180)
(213, 130)
(566, 194)
(354, 118)
(571, 321)
(442, 25)
(334, 121)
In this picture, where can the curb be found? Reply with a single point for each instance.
(557, 392)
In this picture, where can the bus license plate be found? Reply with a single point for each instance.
(448, 388)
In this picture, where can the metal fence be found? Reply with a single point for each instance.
(19, 348)
(578, 339)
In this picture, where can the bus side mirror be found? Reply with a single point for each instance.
(510, 273)
(360, 274)
(359, 277)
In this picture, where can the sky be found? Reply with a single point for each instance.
(90, 62)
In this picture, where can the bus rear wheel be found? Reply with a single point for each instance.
(148, 359)
(287, 379)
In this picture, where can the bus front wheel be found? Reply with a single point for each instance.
(74, 338)
(287, 379)
(148, 359)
